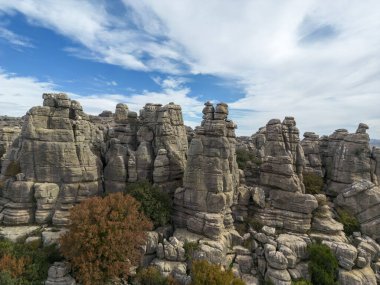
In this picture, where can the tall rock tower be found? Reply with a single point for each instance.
(211, 177)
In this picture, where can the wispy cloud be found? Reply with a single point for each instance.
(19, 93)
(316, 60)
(15, 40)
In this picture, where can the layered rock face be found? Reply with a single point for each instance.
(152, 146)
(211, 176)
(51, 166)
(362, 199)
(310, 145)
(277, 195)
(351, 159)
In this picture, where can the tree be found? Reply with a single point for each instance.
(105, 238)
(323, 265)
(156, 204)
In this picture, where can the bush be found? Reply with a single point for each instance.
(205, 273)
(152, 276)
(25, 263)
(323, 265)
(350, 222)
(313, 183)
(156, 204)
(243, 156)
(105, 238)
(190, 248)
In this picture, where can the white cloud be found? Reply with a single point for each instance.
(15, 40)
(18, 94)
(316, 60)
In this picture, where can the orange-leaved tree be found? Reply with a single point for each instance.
(105, 238)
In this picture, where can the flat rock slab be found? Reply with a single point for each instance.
(16, 233)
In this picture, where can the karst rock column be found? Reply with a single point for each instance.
(211, 177)
(52, 165)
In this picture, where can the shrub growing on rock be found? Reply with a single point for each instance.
(156, 204)
(105, 238)
(323, 265)
(243, 156)
(313, 183)
(25, 264)
(205, 273)
(152, 276)
(349, 221)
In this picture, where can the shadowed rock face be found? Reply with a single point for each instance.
(211, 176)
(351, 160)
(310, 145)
(57, 158)
(52, 163)
(152, 146)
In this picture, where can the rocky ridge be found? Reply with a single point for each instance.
(258, 220)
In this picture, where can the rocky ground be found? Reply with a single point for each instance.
(258, 220)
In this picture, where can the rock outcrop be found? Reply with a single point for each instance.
(152, 147)
(346, 159)
(51, 163)
(310, 145)
(211, 177)
(362, 199)
(278, 177)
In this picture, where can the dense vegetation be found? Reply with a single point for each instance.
(323, 265)
(152, 276)
(155, 204)
(350, 222)
(313, 183)
(205, 273)
(104, 238)
(244, 156)
(25, 264)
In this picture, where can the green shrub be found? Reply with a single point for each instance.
(349, 221)
(190, 248)
(36, 261)
(243, 156)
(205, 273)
(156, 204)
(323, 265)
(313, 183)
(152, 276)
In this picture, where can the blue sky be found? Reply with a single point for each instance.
(318, 61)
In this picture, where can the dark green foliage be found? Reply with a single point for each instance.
(37, 261)
(255, 224)
(205, 273)
(190, 248)
(152, 276)
(156, 204)
(323, 265)
(350, 222)
(313, 183)
(243, 156)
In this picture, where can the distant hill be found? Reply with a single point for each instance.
(374, 142)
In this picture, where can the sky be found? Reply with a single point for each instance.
(318, 61)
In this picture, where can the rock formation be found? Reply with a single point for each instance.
(351, 160)
(51, 163)
(310, 145)
(211, 177)
(278, 199)
(152, 146)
